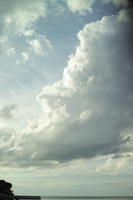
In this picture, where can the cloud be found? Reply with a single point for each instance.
(6, 47)
(88, 113)
(28, 32)
(10, 51)
(40, 45)
(25, 55)
(20, 15)
(18, 19)
(80, 6)
(3, 40)
(116, 164)
(7, 111)
(117, 2)
(126, 15)
(37, 48)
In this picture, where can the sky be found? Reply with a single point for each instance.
(66, 97)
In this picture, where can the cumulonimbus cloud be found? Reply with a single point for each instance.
(88, 113)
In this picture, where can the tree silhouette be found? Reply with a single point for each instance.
(5, 191)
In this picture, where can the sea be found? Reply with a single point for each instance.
(79, 198)
(87, 198)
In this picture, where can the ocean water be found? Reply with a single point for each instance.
(86, 198)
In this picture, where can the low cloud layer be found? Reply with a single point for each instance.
(88, 113)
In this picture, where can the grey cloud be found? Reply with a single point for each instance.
(7, 111)
(76, 141)
(118, 2)
(119, 156)
(126, 12)
(7, 143)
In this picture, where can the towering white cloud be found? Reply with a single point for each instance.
(88, 112)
